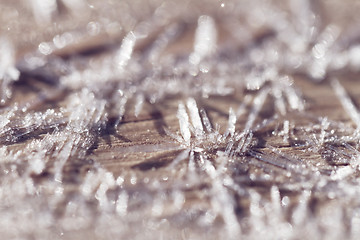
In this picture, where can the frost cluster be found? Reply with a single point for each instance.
(240, 152)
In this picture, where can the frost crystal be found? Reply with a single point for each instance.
(205, 40)
(8, 71)
(126, 49)
(179, 119)
(346, 101)
(184, 123)
(194, 115)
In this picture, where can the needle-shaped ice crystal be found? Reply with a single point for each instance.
(259, 101)
(346, 101)
(206, 120)
(194, 116)
(122, 203)
(44, 10)
(231, 123)
(205, 39)
(139, 104)
(126, 50)
(8, 71)
(184, 123)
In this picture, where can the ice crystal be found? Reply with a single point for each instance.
(8, 71)
(346, 101)
(205, 40)
(179, 120)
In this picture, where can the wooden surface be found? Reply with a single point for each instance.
(141, 143)
(141, 151)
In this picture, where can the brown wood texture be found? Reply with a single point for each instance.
(141, 146)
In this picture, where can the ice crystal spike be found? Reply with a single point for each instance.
(299, 214)
(244, 142)
(259, 101)
(286, 130)
(205, 120)
(205, 39)
(295, 101)
(182, 156)
(346, 102)
(126, 49)
(326, 39)
(194, 116)
(279, 100)
(231, 123)
(275, 198)
(241, 110)
(164, 40)
(121, 106)
(354, 57)
(44, 10)
(139, 104)
(8, 71)
(320, 52)
(184, 123)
